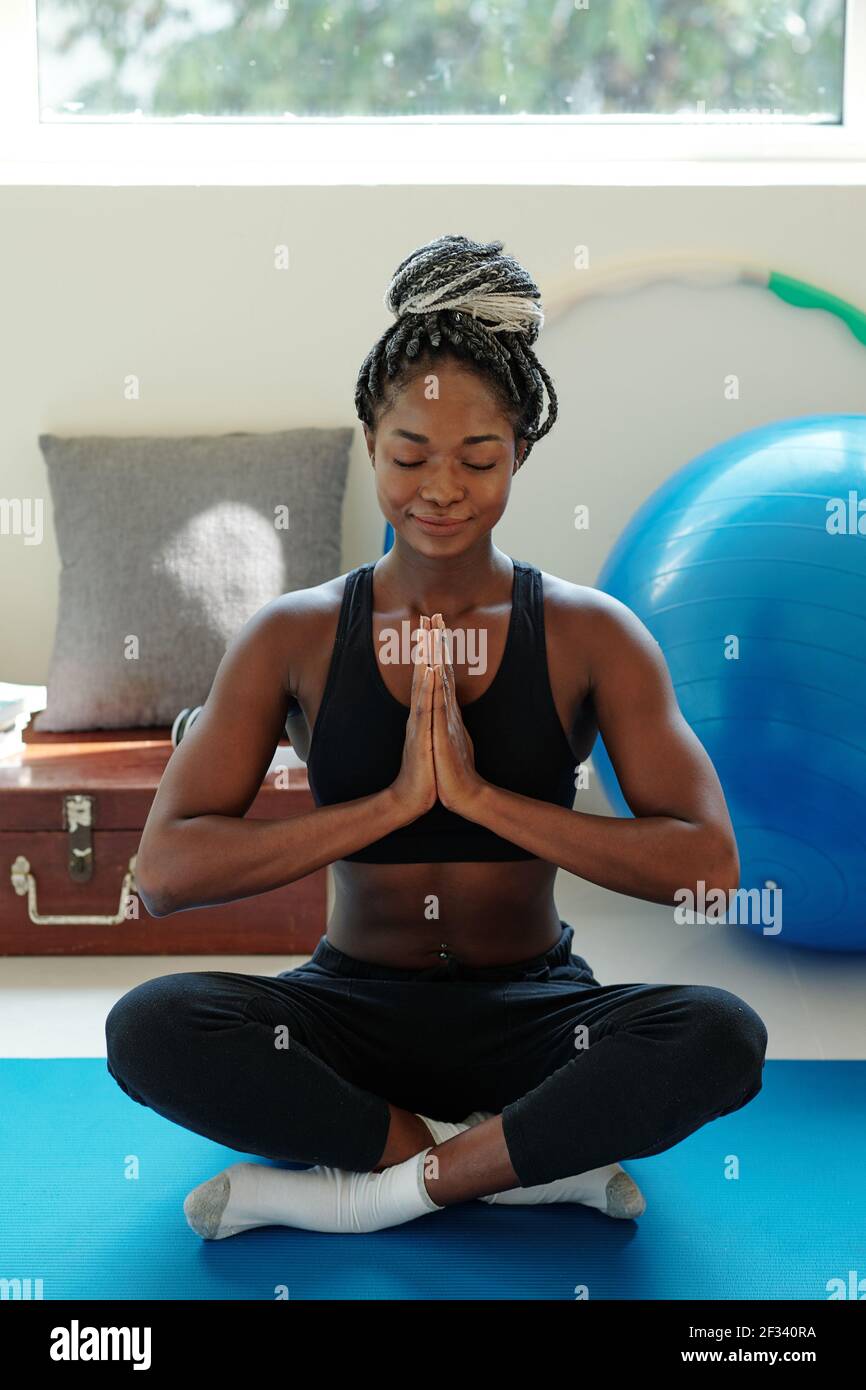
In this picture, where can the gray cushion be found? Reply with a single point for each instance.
(175, 542)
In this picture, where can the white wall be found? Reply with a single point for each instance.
(177, 286)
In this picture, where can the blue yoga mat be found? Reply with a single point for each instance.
(789, 1224)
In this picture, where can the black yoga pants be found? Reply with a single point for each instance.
(300, 1066)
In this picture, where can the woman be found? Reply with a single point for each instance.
(443, 1043)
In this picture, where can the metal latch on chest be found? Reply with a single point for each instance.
(78, 819)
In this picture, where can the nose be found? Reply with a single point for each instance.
(442, 488)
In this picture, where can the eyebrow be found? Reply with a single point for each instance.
(468, 439)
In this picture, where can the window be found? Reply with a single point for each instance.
(750, 59)
(432, 91)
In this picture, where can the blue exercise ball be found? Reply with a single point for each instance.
(749, 569)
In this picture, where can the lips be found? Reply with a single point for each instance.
(440, 524)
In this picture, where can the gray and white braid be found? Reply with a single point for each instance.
(466, 298)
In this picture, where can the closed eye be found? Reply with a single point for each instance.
(476, 467)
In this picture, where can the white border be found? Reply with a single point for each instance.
(449, 150)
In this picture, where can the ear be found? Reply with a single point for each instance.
(371, 444)
(519, 455)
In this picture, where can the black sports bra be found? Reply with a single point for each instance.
(357, 742)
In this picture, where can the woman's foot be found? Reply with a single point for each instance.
(247, 1195)
(610, 1189)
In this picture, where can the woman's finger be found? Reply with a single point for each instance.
(444, 665)
(419, 659)
(446, 649)
(427, 682)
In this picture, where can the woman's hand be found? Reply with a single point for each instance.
(457, 780)
(415, 784)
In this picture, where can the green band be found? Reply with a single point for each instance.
(808, 297)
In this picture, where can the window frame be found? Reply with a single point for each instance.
(410, 150)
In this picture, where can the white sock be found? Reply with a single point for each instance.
(447, 1129)
(609, 1189)
(247, 1195)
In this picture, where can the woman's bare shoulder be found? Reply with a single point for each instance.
(585, 620)
(300, 626)
(605, 628)
(305, 607)
(567, 603)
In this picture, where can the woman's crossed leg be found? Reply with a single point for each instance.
(583, 1076)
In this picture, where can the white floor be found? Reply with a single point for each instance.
(814, 1004)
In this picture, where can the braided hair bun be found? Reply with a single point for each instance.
(466, 277)
(467, 299)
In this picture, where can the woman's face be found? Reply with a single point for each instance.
(444, 456)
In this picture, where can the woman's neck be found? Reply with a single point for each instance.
(450, 586)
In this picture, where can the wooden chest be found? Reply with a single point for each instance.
(72, 810)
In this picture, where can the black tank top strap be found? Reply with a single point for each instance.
(519, 659)
(353, 628)
(350, 630)
(524, 680)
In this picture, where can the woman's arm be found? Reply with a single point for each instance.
(682, 831)
(196, 848)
